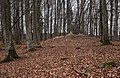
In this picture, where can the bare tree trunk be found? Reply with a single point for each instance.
(1, 6)
(105, 37)
(101, 25)
(96, 18)
(51, 22)
(82, 17)
(111, 18)
(77, 19)
(47, 19)
(68, 17)
(91, 20)
(116, 20)
(16, 10)
(22, 28)
(45, 27)
(64, 18)
(39, 19)
(18, 23)
(55, 20)
(28, 23)
(60, 22)
(9, 45)
(36, 20)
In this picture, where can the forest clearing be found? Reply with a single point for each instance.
(64, 57)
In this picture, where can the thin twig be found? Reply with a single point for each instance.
(26, 11)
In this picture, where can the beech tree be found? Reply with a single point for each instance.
(111, 18)
(69, 16)
(16, 28)
(28, 23)
(64, 19)
(116, 20)
(36, 20)
(22, 21)
(10, 52)
(104, 23)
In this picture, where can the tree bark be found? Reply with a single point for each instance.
(111, 18)
(64, 19)
(91, 20)
(22, 28)
(28, 23)
(116, 20)
(8, 40)
(105, 38)
(68, 17)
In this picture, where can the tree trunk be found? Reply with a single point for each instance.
(64, 20)
(68, 17)
(77, 19)
(35, 21)
(22, 28)
(16, 10)
(111, 18)
(116, 20)
(1, 6)
(55, 20)
(47, 19)
(9, 45)
(82, 17)
(91, 20)
(51, 26)
(28, 23)
(39, 19)
(105, 38)
(100, 25)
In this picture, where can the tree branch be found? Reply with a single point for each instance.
(26, 11)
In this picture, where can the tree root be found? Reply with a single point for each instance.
(9, 58)
(106, 42)
(39, 46)
(31, 50)
(12, 55)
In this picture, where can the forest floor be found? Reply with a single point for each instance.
(64, 57)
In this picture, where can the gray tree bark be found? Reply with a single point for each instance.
(8, 40)
(28, 23)
(22, 28)
(64, 19)
(111, 18)
(116, 20)
(105, 38)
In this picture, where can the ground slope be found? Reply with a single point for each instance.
(64, 57)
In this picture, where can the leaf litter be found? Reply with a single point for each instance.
(64, 57)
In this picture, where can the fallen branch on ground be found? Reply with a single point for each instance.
(80, 72)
